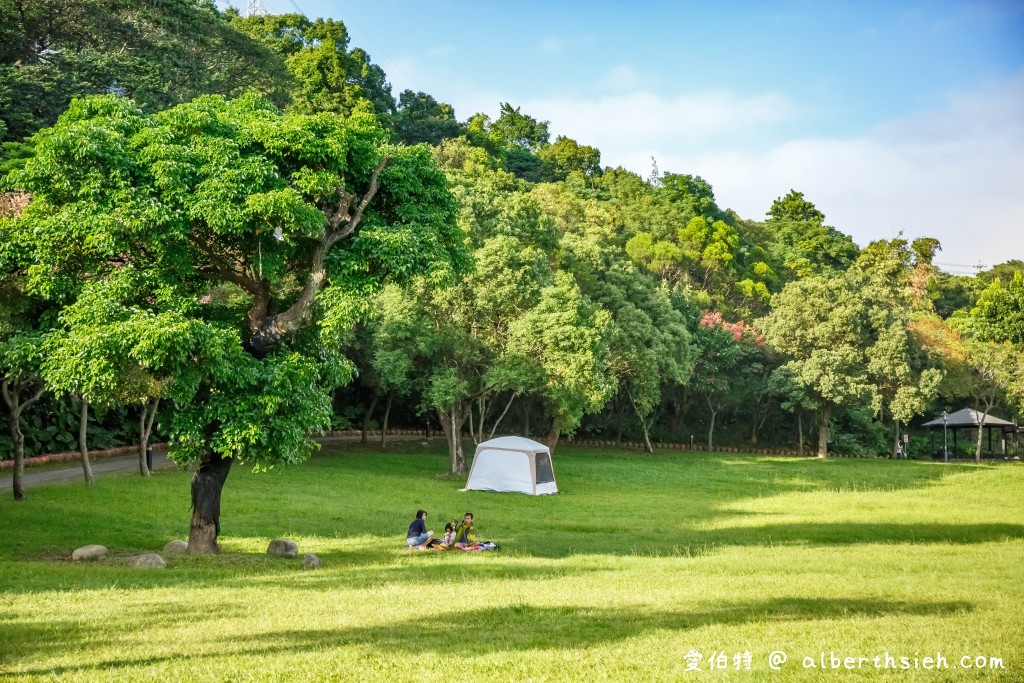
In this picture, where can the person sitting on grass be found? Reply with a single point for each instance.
(418, 536)
(465, 533)
(446, 542)
(449, 534)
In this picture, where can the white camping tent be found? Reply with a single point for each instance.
(512, 463)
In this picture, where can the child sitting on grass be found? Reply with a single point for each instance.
(446, 542)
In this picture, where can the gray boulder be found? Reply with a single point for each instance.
(176, 547)
(311, 561)
(89, 552)
(282, 547)
(148, 561)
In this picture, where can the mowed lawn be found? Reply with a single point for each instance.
(641, 561)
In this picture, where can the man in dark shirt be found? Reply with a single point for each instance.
(418, 536)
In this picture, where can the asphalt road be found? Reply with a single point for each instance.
(130, 463)
(73, 470)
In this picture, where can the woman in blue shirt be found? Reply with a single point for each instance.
(418, 536)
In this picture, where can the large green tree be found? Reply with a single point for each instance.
(802, 242)
(158, 53)
(326, 75)
(820, 325)
(998, 314)
(255, 235)
(421, 118)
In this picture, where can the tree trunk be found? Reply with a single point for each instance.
(800, 431)
(14, 426)
(384, 425)
(83, 447)
(143, 468)
(11, 391)
(484, 405)
(500, 417)
(366, 419)
(826, 415)
(978, 443)
(711, 428)
(619, 422)
(526, 418)
(207, 484)
(760, 417)
(643, 423)
(895, 438)
(149, 408)
(452, 421)
(551, 440)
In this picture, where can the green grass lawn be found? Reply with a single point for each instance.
(639, 561)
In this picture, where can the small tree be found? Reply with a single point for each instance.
(21, 386)
(24, 319)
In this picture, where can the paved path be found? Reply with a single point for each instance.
(73, 470)
(130, 463)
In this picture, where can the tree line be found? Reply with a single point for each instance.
(228, 231)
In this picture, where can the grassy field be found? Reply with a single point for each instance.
(641, 560)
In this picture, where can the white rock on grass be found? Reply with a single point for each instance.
(282, 547)
(148, 561)
(311, 561)
(176, 547)
(89, 552)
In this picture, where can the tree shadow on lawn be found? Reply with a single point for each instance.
(348, 569)
(481, 631)
(847, 533)
(527, 627)
(684, 542)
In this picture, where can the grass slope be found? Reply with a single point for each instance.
(639, 561)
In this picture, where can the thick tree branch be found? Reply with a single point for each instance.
(8, 399)
(340, 225)
(221, 271)
(35, 397)
(353, 223)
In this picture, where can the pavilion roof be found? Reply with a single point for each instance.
(968, 417)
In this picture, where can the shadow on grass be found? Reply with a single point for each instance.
(847, 533)
(341, 569)
(481, 631)
(527, 627)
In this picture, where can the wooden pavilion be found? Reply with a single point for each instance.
(968, 418)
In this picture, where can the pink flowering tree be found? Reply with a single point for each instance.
(727, 351)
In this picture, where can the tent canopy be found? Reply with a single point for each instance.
(515, 443)
(513, 464)
(968, 417)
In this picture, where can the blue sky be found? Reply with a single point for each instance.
(890, 116)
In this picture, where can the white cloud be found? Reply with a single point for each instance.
(954, 173)
(551, 44)
(621, 123)
(623, 77)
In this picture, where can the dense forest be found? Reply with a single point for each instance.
(169, 170)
